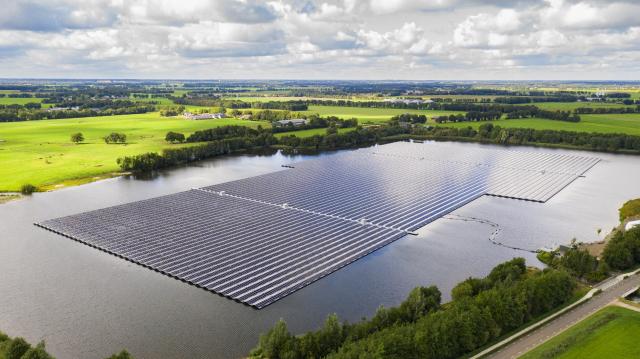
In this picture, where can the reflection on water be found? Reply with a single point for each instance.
(88, 304)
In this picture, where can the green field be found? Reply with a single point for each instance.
(627, 123)
(40, 152)
(21, 101)
(369, 115)
(311, 132)
(612, 332)
(160, 100)
(570, 106)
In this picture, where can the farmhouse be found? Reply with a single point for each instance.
(407, 101)
(53, 109)
(292, 122)
(203, 116)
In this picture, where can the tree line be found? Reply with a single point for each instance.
(227, 139)
(410, 118)
(18, 348)
(471, 116)
(488, 132)
(530, 99)
(315, 121)
(606, 110)
(13, 114)
(481, 310)
(176, 156)
(241, 138)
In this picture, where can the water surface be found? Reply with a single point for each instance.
(87, 304)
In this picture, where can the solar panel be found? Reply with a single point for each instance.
(259, 239)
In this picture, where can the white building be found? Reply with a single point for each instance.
(293, 121)
(203, 116)
(407, 101)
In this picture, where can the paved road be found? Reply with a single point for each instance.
(564, 321)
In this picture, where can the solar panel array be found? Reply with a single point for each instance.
(259, 239)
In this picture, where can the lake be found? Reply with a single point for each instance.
(88, 304)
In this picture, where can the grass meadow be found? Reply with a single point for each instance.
(570, 106)
(21, 101)
(369, 115)
(627, 123)
(612, 332)
(41, 153)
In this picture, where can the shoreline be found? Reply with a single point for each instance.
(71, 182)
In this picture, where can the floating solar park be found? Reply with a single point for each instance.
(259, 239)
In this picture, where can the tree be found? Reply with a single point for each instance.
(616, 254)
(332, 130)
(579, 262)
(77, 137)
(331, 336)
(28, 188)
(115, 137)
(171, 111)
(275, 342)
(421, 300)
(174, 137)
(37, 352)
(16, 348)
(122, 355)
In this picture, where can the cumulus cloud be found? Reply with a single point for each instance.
(319, 38)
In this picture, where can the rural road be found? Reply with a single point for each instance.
(564, 321)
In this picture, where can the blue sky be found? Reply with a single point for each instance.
(333, 39)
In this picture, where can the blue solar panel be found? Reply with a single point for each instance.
(258, 239)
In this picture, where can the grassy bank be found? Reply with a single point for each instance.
(610, 333)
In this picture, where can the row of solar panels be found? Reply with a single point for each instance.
(258, 239)
(248, 251)
(539, 161)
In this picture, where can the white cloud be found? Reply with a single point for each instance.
(323, 38)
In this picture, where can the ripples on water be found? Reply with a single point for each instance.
(88, 304)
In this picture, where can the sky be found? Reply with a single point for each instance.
(332, 39)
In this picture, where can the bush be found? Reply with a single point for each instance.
(629, 209)
(77, 137)
(122, 355)
(174, 137)
(28, 189)
(547, 258)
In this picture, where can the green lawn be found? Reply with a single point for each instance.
(626, 123)
(369, 115)
(612, 332)
(40, 152)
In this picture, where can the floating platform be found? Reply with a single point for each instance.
(259, 239)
